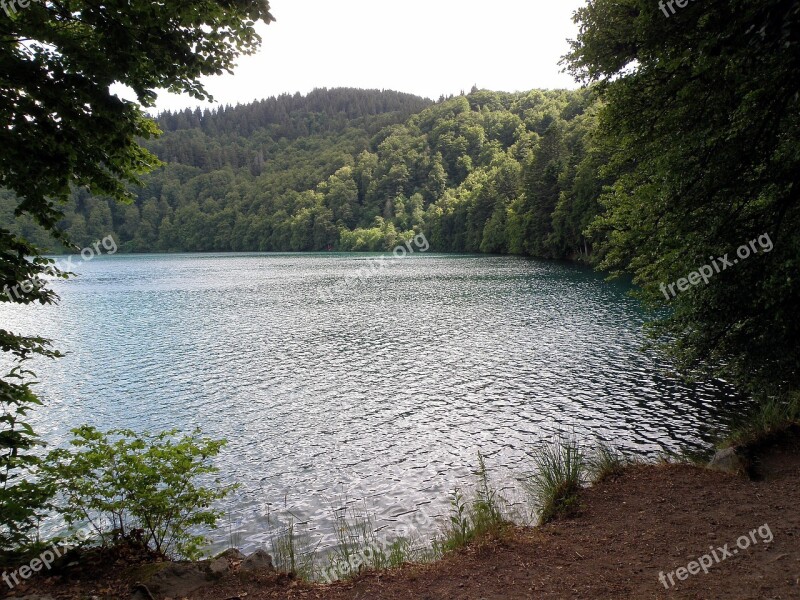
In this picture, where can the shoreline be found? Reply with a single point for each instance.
(629, 536)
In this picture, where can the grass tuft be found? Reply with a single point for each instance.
(770, 419)
(555, 484)
(359, 548)
(475, 519)
(291, 553)
(607, 462)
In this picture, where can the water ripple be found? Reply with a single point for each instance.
(382, 394)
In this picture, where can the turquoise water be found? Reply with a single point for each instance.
(378, 393)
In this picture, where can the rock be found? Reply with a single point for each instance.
(218, 566)
(177, 580)
(728, 461)
(258, 561)
(223, 562)
(232, 554)
(35, 597)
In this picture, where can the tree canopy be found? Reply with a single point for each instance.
(360, 169)
(701, 113)
(63, 130)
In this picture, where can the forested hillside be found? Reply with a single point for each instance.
(354, 169)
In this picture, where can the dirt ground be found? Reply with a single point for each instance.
(651, 520)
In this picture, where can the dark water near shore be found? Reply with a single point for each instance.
(379, 395)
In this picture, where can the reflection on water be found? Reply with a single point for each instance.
(380, 395)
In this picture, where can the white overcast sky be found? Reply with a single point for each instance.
(425, 47)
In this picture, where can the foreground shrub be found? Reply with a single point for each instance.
(138, 489)
(555, 483)
(23, 501)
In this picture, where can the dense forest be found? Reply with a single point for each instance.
(350, 169)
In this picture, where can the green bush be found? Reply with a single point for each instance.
(23, 500)
(138, 489)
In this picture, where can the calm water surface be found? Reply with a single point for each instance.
(380, 396)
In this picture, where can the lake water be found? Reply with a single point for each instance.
(377, 395)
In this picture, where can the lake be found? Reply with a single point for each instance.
(377, 394)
